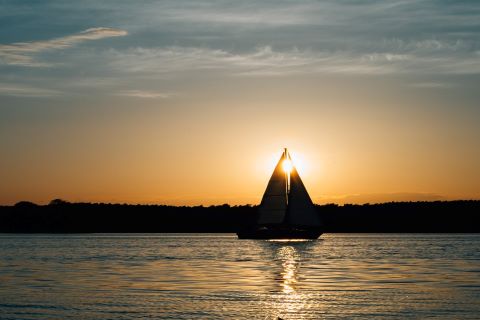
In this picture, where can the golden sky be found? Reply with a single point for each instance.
(185, 106)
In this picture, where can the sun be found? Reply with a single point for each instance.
(287, 165)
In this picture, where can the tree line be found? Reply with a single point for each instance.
(60, 216)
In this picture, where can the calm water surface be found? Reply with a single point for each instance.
(219, 277)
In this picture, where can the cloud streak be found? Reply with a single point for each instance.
(16, 90)
(144, 94)
(21, 53)
(431, 85)
(433, 57)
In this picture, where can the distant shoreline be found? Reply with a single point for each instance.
(459, 216)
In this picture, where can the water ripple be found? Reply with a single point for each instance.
(343, 276)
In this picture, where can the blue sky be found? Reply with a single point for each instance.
(430, 43)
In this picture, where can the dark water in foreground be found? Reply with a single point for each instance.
(345, 276)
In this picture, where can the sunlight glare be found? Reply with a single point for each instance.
(287, 165)
(298, 160)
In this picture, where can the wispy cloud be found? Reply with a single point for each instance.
(246, 14)
(17, 90)
(262, 61)
(21, 53)
(431, 85)
(404, 58)
(144, 94)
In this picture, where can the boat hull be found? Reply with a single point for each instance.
(279, 233)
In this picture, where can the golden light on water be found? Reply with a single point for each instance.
(289, 301)
(289, 240)
(290, 269)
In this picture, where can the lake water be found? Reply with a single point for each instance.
(181, 276)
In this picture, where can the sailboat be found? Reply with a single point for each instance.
(286, 210)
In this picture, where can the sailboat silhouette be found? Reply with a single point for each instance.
(286, 210)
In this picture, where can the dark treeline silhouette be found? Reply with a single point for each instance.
(63, 217)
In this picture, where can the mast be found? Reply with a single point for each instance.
(287, 182)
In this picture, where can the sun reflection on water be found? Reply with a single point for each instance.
(290, 265)
(288, 300)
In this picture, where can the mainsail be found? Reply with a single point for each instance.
(273, 207)
(301, 211)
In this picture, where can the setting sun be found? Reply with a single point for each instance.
(287, 165)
